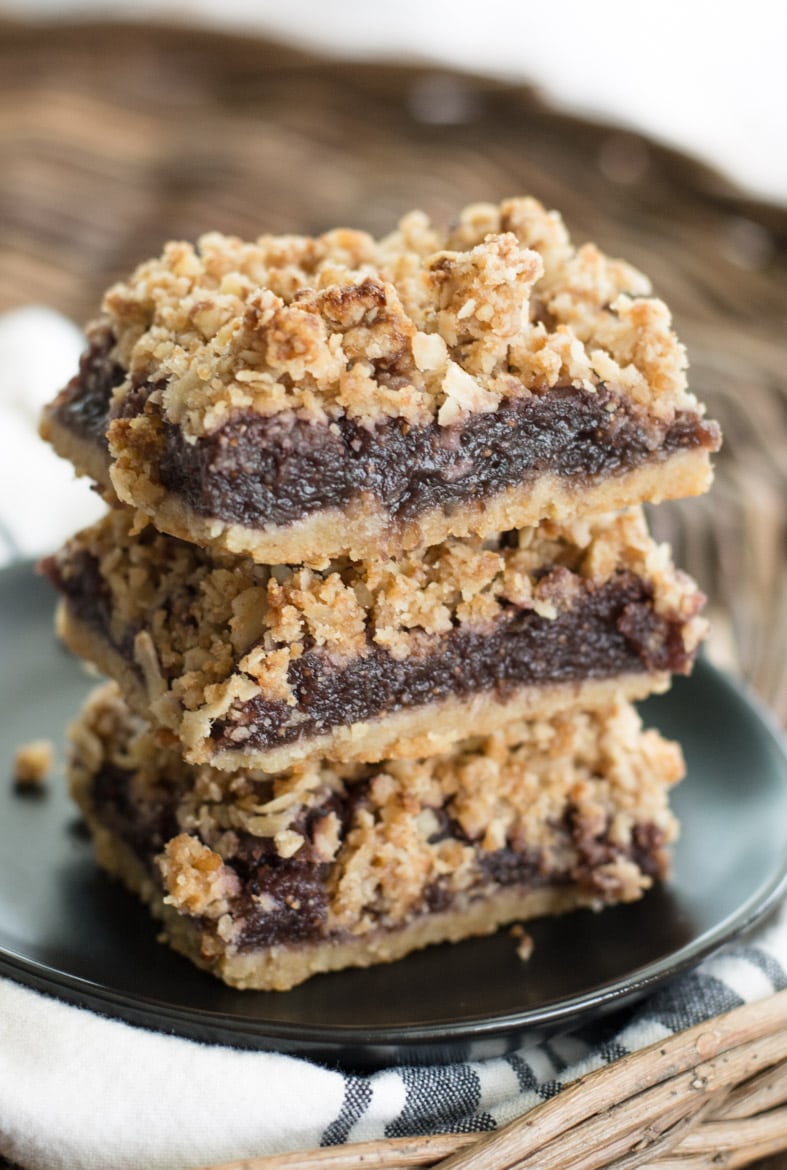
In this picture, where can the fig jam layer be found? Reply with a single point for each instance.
(274, 470)
(256, 471)
(294, 891)
(83, 406)
(611, 630)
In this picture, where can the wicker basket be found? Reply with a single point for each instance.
(714, 1096)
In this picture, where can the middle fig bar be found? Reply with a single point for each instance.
(245, 665)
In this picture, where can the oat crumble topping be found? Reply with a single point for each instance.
(423, 324)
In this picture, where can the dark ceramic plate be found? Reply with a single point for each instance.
(68, 930)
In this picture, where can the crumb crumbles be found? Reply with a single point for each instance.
(422, 324)
(33, 762)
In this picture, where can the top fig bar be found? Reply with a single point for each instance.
(298, 399)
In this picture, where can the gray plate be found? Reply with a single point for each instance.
(68, 930)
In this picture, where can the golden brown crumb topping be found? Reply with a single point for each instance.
(197, 880)
(33, 762)
(210, 630)
(426, 323)
(509, 790)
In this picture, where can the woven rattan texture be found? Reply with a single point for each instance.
(115, 138)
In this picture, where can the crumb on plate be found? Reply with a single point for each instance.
(524, 941)
(33, 762)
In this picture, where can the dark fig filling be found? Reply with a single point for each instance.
(275, 470)
(610, 629)
(83, 406)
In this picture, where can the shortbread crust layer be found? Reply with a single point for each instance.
(250, 665)
(265, 880)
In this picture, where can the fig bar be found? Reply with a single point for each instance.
(258, 666)
(267, 880)
(297, 399)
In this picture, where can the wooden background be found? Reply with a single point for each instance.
(113, 138)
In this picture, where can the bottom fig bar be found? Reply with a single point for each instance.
(266, 880)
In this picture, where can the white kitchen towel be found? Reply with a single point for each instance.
(80, 1092)
(39, 352)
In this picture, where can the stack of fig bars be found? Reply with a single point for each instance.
(374, 587)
